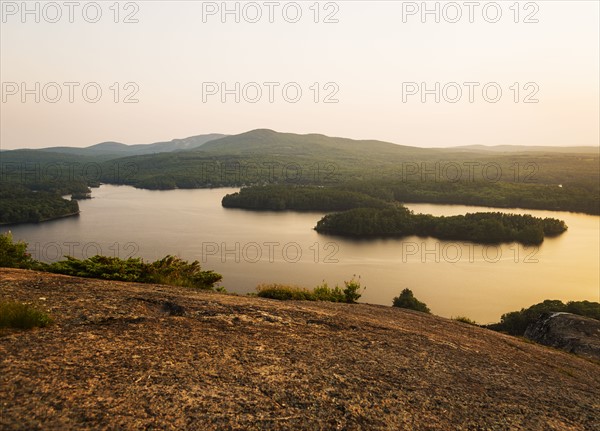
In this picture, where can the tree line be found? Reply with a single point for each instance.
(299, 198)
(366, 193)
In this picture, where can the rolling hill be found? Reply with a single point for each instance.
(265, 141)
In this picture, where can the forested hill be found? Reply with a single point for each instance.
(268, 157)
(265, 141)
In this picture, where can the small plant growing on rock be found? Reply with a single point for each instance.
(350, 294)
(353, 290)
(284, 292)
(325, 293)
(407, 300)
(22, 316)
(465, 319)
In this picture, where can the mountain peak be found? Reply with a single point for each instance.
(112, 145)
(260, 132)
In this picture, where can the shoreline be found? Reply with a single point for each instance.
(43, 220)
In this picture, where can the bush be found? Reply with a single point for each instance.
(22, 316)
(584, 308)
(284, 292)
(465, 319)
(170, 270)
(14, 254)
(352, 290)
(105, 267)
(177, 272)
(326, 293)
(323, 292)
(408, 300)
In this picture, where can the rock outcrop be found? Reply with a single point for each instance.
(128, 356)
(569, 332)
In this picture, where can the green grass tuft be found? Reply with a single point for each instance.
(284, 292)
(350, 294)
(22, 316)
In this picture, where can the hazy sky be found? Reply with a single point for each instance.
(178, 56)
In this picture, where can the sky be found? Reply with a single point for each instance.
(428, 74)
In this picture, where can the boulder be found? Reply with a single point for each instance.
(567, 331)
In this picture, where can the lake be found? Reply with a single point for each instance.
(248, 248)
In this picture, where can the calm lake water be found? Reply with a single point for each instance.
(453, 278)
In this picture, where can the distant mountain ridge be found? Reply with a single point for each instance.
(122, 150)
(289, 143)
(528, 148)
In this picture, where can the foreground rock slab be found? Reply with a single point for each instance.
(134, 356)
